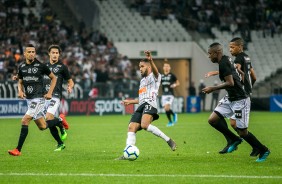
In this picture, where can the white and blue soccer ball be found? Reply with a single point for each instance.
(131, 152)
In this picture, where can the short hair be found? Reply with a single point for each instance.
(55, 47)
(29, 45)
(238, 41)
(216, 46)
(166, 61)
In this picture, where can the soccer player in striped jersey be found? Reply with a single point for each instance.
(147, 112)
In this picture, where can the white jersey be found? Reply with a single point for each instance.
(148, 89)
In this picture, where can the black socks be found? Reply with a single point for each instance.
(55, 134)
(254, 142)
(222, 127)
(24, 132)
(168, 113)
(53, 122)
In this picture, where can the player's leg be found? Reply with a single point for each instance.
(54, 132)
(52, 111)
(34, 111)
(217, 121)
(242, 122)
(255, 151)
(23, 134)
(133, 127)
(146, 124)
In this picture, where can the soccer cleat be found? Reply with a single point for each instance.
(172, 144)
(169, 124)
(121, 158)
(174, 118)
(60, 147)
(225, 149)
(64, 121)
(234, 145)
(263, 156)
(14, 152)
(255, 152)
(64, 135)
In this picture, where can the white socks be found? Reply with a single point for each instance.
(156, 131)
(131, 138)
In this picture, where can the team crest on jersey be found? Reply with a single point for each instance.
(29, 89)
(34, 70)
(55, 70)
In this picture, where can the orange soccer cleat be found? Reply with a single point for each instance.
(64, 121)
(14, 152)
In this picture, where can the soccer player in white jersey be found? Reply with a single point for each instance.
(147, 112)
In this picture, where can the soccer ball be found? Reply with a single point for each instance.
(131, 152)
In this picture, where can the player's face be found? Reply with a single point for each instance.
(166, 68)
(234, 49)
(213, 55)
(54, 55)
(143, 67)
(29, 53)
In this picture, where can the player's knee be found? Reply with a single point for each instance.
(144, 126)
(41, 128)
(243, 132)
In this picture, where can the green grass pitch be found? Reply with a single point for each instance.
(95, 141)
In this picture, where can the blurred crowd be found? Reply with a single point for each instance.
(93, 60)
(201, 15)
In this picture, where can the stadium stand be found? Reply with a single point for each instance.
(88, 51)
(123, 25)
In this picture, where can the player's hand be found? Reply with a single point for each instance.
(125, 102)
(207, 90)
(69, 89)
(207, 75)
(15, 77)
(173, 85)
(48, 96)
(148, 54)
(21, 95)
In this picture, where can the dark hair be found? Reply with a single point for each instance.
(144, 60)
(29, 45)
(238, 41)
(214, 44)
(55, 47)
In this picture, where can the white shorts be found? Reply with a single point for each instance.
(237, 110)
(52, 106)
(35, 108)
(167, 99)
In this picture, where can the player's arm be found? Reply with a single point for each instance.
(70, 85)
(242, 74)
(177, 83)
(52, 86)
(21, 93)
(253, 76)
(128, 102)
(150, 59)
(229, 82)
(211, 73)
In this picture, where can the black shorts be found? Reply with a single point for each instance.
(145, 108)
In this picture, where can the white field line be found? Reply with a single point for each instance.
(141, 175)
